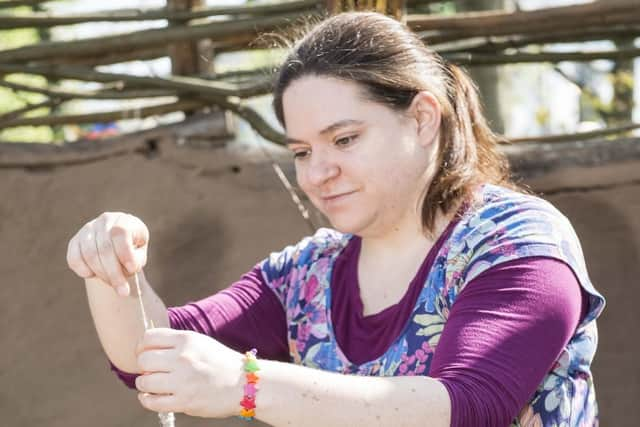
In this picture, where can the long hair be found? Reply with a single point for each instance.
(392, 65)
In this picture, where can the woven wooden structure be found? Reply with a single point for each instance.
(194, 34)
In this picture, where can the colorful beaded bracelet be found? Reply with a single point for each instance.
(248, 403)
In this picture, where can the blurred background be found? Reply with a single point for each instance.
(162, 109)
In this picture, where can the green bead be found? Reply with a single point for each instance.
(251, 366)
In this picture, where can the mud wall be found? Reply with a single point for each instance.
(213, 213)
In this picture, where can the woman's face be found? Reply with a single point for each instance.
(362, 164)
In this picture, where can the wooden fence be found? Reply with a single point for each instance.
(194, 32)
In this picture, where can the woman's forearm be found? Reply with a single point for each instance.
(118, 319)
(296, 395)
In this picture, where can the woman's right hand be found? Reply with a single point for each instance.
(110, 247)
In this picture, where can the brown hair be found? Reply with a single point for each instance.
(392, 65)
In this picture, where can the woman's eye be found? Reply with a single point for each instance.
(346, 140)
(300, 154)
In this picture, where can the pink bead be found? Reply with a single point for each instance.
(250, 389)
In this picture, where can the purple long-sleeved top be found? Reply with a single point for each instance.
(503, 334)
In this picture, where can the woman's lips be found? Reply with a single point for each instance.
(335, 198)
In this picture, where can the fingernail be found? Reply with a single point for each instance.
(122, 291)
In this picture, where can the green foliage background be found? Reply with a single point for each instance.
(10, 100)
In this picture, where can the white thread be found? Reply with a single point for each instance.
(167, 419)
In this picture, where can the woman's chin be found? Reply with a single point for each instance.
(346, 225)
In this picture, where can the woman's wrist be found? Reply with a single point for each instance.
(267, 395)
(251, 373)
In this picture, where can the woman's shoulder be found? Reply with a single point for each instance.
(506, 211)
(504, 224)
(499, 204)
(323, 243)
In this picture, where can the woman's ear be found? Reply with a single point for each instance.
(425, 109)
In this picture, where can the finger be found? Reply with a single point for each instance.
(156, 360)
(127, 234)
(89, 252)
(75, 260)
(159, 403)
(156, 383)
(161, 338)
(110, 263)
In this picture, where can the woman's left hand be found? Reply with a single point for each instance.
(184, 371)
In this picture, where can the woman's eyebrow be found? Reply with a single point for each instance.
(340, 124)
(331, 128)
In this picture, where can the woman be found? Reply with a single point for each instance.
(443, 293)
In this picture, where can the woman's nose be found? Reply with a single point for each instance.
(322, 169)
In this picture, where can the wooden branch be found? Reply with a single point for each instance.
(578, 84)
(235, 42)
(579, 136)
(582, 34)
(12, 4)
(414, 3)
(98, 94)
(532, 160)
(473, 59)
(58, 157)
(112, 57)
(500, 43)
(600, 12)
(32, 155)
(179, 84)
(602, 20)
(45, 20)
(145, 38)
(225, 44)
(484, 28)
(438, 29)
(253, 118)
(261, 72)
(132, 113)
(203, 90)
(15, 114)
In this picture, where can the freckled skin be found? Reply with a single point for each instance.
(385, 165)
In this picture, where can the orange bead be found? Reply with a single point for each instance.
(247, 412)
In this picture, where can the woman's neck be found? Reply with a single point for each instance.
(388, 263)
(405, 237)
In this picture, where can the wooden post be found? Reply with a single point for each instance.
(191, 58)
(488, 78)
(622, 79)
(394, 8)
(397, 9)
(184, 55)
(333, 6)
